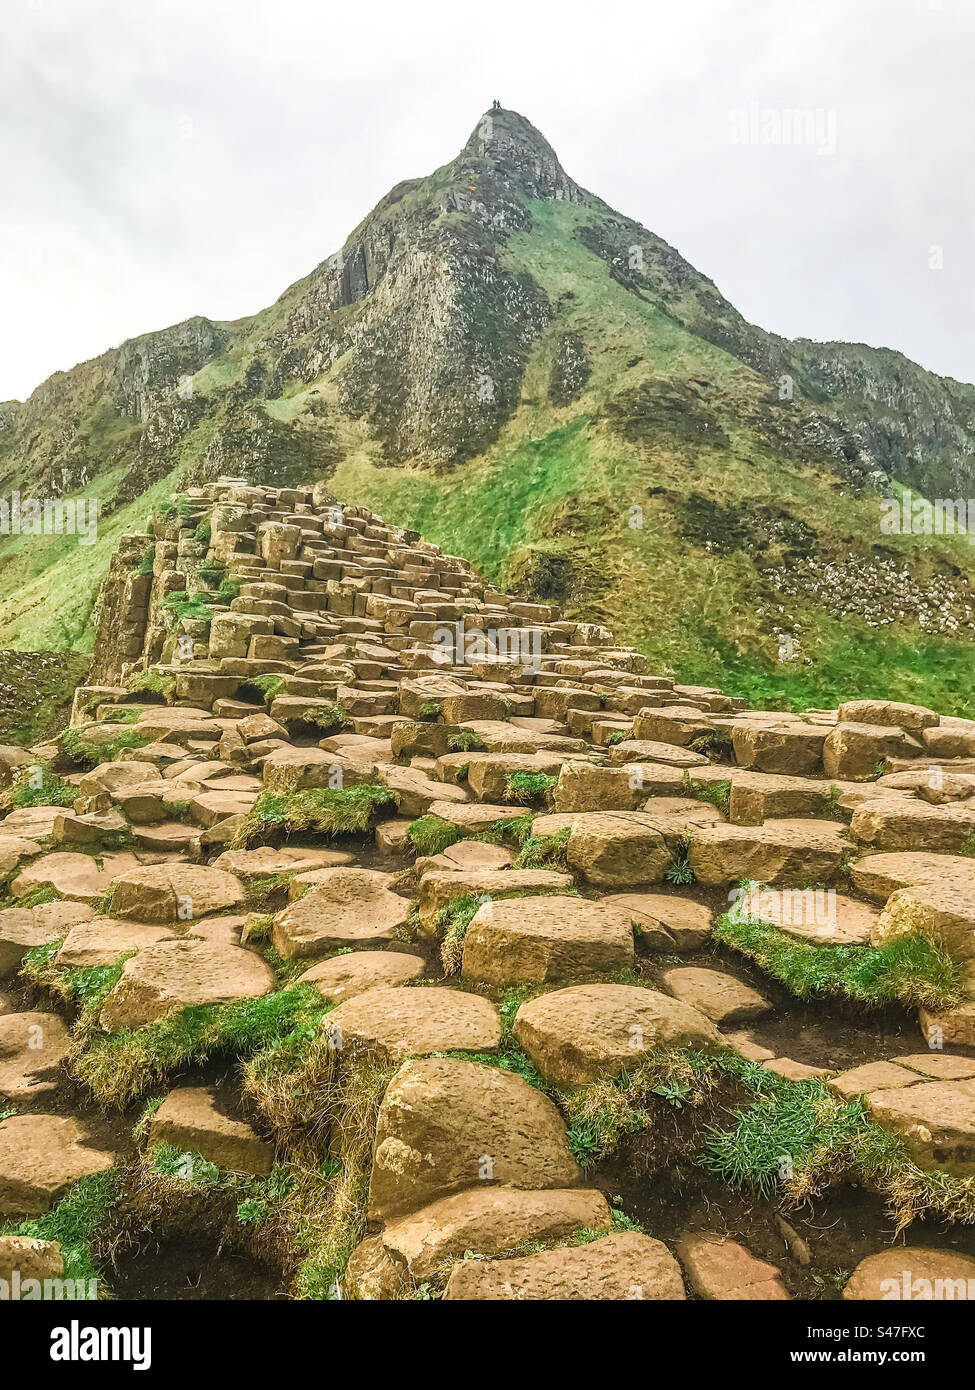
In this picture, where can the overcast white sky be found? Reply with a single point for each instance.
(162, 158)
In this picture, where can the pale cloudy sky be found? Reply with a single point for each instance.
(162, 158)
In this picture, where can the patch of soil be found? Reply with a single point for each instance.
(184, 1270)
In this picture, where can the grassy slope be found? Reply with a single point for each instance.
(561, 480)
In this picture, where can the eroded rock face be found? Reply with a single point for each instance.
(353, 973)
(546, 940)
(347, 908)
(191, 1118)
(397, 1023)
(490, 1221)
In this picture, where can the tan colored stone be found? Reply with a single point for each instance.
(793, 749)
(719, 1268)
(396, 1023)
(664, 922)
(888, 713)
(355, 972)
(30, 1259)
(348, 907)
(626, 1266)
(175, 974)
(439, 887)
(76, 877)
(876, 876)
(174, 893)
(872, 1076)
(912, 1273)
(490, 1221)
(192, 1119)
(618, 849)
(719, 997)
(581, 1034)
(32, 1047)
(786, 852)
(40, 1157)
(936, 1121)
(446, 1125)
(546, 939)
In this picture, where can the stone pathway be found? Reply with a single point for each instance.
(357, 658)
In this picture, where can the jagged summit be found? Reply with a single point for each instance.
(517, 151)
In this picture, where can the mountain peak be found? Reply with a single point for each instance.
(508, 143)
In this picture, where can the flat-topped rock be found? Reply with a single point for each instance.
(858, 752)
(165, 893)
(76, 877)
(664, 922)
(175, 974)
(912, 1272)
(439, 887)
(355, 972)
(798, 852)
(23, 928)
(580, 1034)
(626, 1266)
(40, 1157)
(943, 914)
(618, 849)
(935, 1119)
(397, 1023)
(547, 939)
(14, 849)
(888, 713)
(794, 749)
(490, 1221)
(32, 1047)
(872, 1076)
(265, 862)
(719, 1268)
(446, 1125)
(31, 1259)
(876, 876)
(719, 997)
(348, 907)
(906, 824)
(102, 940)
(466, 856)
(818, 916)
(192, 1119)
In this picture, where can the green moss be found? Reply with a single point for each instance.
(465, 741)
(119, 1067)
(52, 791)
(88, 754)
(907, 970)
(316, 810)
(544, 851)
(715, 793)
(74, 1221)
(528, 787)
(432, 835)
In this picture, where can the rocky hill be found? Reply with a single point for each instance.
(501, 361)
(373, 933)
